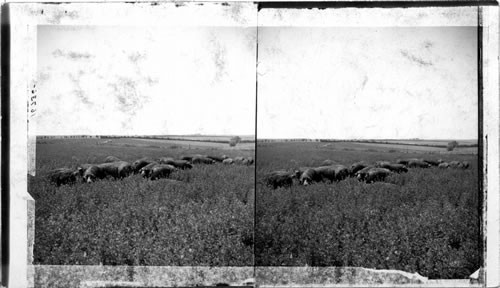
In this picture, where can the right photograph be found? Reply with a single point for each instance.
(367, 148)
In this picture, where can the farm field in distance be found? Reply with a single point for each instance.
(406, 147)
(424, 221)
(429, 142)
(246, 138)
(207, 219)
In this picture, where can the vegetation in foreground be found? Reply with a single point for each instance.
(423, 221)
(205, 220)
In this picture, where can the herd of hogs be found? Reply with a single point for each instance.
(363, 171)
(162, 168)
(149, 168)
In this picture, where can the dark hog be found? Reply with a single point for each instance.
(180, 164)
(432, 162)
(187, 158)
(217, 158)
(146, 170)
(402, 161)
(444, 165)
(341, 172)
(162, 171)
(398, 168)
(363, 173)
(277, 179)
(243, 160)
(111, 159)
(407, 161)
(376, 174)
(380, 164)
(333, 172)
(63, 176)
(418, 164)
(298, 172)
(247, 161)
(190, 157)
(310, 176)
(464, 165)
(458, 164)
(93, 173)
(164, 160)
(355, 167)
(324, 173)
(117, 170)
(202, 160)
(238, 160)
(82, 168)
(138, 164)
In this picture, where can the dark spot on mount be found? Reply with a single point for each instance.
(415, 59)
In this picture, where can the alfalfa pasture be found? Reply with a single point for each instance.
(424, 221)
(207, 219)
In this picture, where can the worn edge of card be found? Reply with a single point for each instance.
(486, 17)
(25, 18)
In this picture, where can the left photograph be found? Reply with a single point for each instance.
(144, 145)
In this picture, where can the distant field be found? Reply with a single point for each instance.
(378, 147)
(423, 221)
(168, 144)
(211, 138)
(410, 148)
(207, 138)
(430, 142)
(429, 145)
(205, 220)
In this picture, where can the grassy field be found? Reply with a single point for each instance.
(431, 142)
(205, 220)
(406, 148)
(402, 146)
(424, 221)
(224, 138)
(186, 144)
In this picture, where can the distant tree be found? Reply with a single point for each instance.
(234, 140)
(452, 145)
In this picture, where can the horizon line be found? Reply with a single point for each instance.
(151, 135)
(373, 139)
(258, 139)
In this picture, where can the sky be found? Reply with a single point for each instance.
(146, 80)
(367, 82)
(313, 82)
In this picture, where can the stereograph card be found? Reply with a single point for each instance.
(250, 144)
